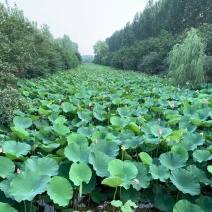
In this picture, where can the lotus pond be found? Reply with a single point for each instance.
(94, 135)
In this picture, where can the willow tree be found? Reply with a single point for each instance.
(186, 60)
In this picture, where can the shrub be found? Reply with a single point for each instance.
(10, 100)
(151, 63)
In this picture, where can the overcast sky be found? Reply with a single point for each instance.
(84, 21)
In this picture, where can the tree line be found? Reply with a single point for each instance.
(27, 51)
(145, 44)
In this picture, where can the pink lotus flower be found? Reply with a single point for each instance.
(160, 131)
(18, 171)
(104, 96)
(127, 92)
(90, 104)
(159, 120)
(172, 106)
(140, 116)
(1, 150)
(96, 141)
(60, 100)
(136, 181)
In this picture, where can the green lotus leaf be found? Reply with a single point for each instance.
(22, 122)
(116, 203)
(98, 197)
(28, 184)
(99, 116)
(7, 167)
(189, 111)
(113, 181)
(160, 131)
(191, 141)
(202, 155)
(177, 135)
(54, 107)
(49, 147)
(142, 179)
(164, 202)
(86, 131)
(61, 129)
(185, 124)
(68, 107)
(118, 121)
(80, 173)
(77, 153)
(6, 207)
(180, 151)
(124, 112)
(159, 172)
(197, 122)
(42, 111)
(21, 132)
(99, 135)
(157, 109)
(132, 141)
(134, 127)
(124, 169)
(172, 161)
(185, 181)
(130, 194)
(145, 158)
(205, 203)
(5, 185)
(60, 120)
(40, 124)
(209, 168)
(127, 206)
(16, 149)
(186, 206)
(26, 93)
(109, 148)
(199, 173)
(87, 188)
(77, 138)
(84, 115)
(60, 191)
(100, 162)
(43, 166)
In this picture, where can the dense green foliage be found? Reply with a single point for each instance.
(144, 44)
(29, 51)
(187, 60)
(108, 135)
(26, 51)
(100, 51)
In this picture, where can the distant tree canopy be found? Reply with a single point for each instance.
(144, 44)
(100, 51)
(87, 58)
(27, 51)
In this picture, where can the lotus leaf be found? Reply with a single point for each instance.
(185, 181)
(60, 190)
(80, 173)
(186, 206)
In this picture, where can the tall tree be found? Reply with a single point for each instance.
(188, 68)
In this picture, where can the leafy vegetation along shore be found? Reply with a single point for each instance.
(107, 135)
